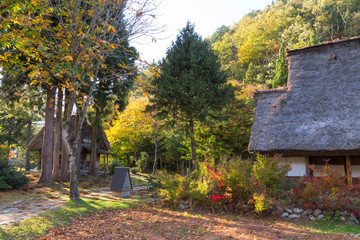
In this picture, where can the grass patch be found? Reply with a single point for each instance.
(37, 226)
(140, 179)
(329, 227)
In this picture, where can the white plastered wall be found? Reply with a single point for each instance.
(297, 165)
(355, 170)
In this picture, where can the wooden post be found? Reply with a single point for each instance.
(39, 161)
(107, 162)
(307, 168)
(348, 172)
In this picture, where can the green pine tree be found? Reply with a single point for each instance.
(191, 85)
(251, 74)
(281, 71)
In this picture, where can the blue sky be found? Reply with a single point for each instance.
(207, 15)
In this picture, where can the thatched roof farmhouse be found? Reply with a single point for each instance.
(317, 116)
(86, 133)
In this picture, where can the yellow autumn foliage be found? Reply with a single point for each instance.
(131, 127)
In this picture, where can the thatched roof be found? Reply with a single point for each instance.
(36, 143)
(320, 109)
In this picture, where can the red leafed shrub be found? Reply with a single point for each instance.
(216, 198)
(232, 183)
(356, 213)
(329, 191)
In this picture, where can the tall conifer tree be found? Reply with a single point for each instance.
(191, 85)
(281, 71)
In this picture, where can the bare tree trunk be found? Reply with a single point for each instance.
(193, 148)
(57, 137)
(64, 169)
(156, 146)
(183, 172)
(27, 161)
(95, 131)
(128, 159)
(93, 150)
(78, 150)
(48, 138)
(39, 161)
(70, 149)
(73, 148)
(154, 166)
(107, 162)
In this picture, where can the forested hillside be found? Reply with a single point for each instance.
(252, 55)
(254, 41)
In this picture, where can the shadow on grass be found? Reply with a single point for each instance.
(34, 227)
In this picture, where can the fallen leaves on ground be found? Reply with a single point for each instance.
(154, 223)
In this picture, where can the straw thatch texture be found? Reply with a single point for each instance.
(36, 143)
(320, 110)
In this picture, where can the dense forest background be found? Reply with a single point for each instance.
(251, 54)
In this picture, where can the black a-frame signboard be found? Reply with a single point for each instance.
(121, 184)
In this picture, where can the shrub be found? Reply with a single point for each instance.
(113, 165)
(4, 163)
(3, 184)
(197, 187)
(174, 187)
(237, 174)
(233, 183)
(262, 202)
(4, 152)
(14, 179)
(329, 191)
(140, 164)
(268, 175)
(10, 179)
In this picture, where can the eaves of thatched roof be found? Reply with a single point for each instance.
(320, 109)
(36, 143)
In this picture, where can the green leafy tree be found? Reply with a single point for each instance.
(65, 44)
(281, 72)
(217, 36)
(191, 86)
(21, 104)
(251, 74)
(111, 90)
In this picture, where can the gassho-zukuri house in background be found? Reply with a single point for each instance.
(86, 134)
(317, 117)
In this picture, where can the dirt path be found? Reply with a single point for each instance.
(20, 210)
(26, 208)
(150, 222)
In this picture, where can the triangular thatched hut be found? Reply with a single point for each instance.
(86, 134)
(317, 117)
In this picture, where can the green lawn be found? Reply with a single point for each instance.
(329, 226)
